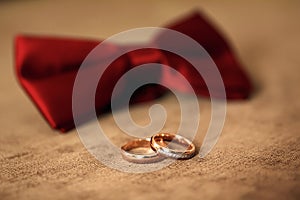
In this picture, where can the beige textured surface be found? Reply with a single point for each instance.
(257, 156)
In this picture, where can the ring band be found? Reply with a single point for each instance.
(158, 144)
(144, 155)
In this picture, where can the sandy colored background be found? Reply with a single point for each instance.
(257, 156)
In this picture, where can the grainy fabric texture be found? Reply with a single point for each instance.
(256, 157)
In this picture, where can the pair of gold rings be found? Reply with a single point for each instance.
(158, 147)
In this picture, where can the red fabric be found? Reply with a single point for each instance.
(46, 68)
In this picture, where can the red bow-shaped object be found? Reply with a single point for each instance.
(46, 68)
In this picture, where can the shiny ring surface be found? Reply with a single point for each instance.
(140, 151)
(161, 143)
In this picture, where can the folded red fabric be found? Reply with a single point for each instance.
(46, 68)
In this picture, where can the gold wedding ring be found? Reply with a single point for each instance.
(140, 151)
(162, 143)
